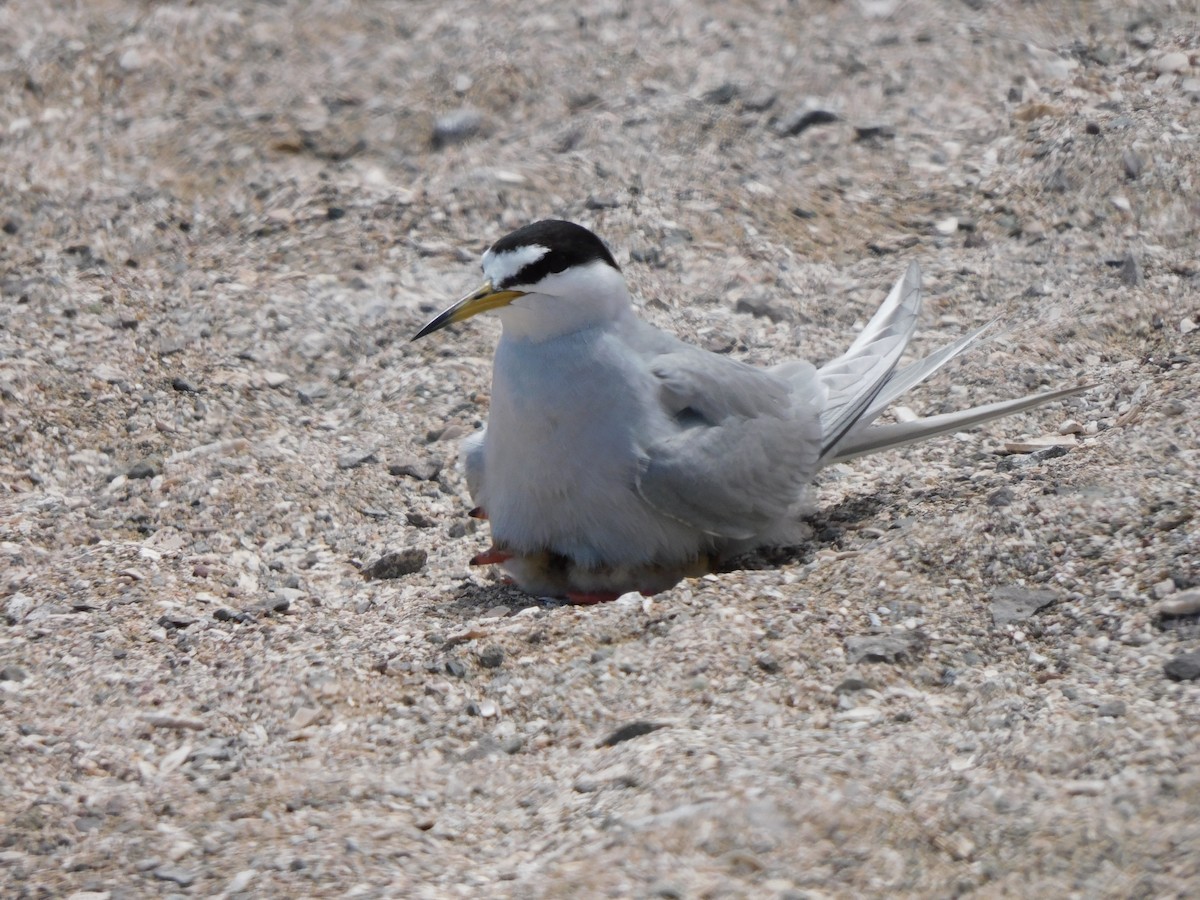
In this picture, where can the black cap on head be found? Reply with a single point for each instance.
(566, 243)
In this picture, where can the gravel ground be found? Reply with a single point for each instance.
(222, 222)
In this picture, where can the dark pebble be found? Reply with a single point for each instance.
(1184, 667)
(629, 732)
(419, 520)
(491, 657)
(396, 565)
(456, 127)
(1049, 453)
(456, 668)
(12, 673)
(88, 823)
(421, 469)
(722, 94)
(176, 620)
(1112, 709)
(184, 386)
(850, 684)
(1092, 128)
(594, 202)
(1002, 497)
(224, 614)
(648, 255)
(144, 468)
(802, 120)
(762, 307)
(767, 663)
(874, 133)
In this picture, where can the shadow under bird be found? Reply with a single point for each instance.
(619, 458)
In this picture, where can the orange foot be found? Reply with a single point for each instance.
(577, 599)
(490, 557)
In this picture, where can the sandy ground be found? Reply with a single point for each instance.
(221, 224)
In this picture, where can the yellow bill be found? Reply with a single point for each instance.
(478, 301)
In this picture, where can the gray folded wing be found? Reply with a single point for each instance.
(739, 446)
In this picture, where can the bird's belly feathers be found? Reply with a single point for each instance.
(561, 454)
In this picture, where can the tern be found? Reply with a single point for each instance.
(617, 458)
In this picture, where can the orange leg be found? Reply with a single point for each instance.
(577, 599)
(490, 557)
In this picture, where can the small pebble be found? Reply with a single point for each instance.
(884, 648)
(1184, 603)
(850, 684)
(1170, 63)
(1133, 165)
(355, 458)
(240, 881)
(145, 468)
(764, 307)
(181, 877)
(722, 94)
(1014, 603)
(767, 663)
(1164, 588)
(512, 744)
(456, 127)
(421, 469)
(303, 717)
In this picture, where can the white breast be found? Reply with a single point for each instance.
(561, 452)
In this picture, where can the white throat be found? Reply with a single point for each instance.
(568, 301)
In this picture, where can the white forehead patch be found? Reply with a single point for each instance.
(499, 267)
